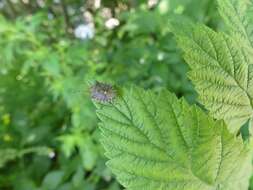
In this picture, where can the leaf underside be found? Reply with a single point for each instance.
(157, 142)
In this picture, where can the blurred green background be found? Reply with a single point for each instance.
(50, 51)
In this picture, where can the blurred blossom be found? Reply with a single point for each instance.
(142, 61)
(160, 56)
(56, 1)
(84, 31)
(51, 154)
(71, 10)
(97, 4)
(88, 17)
(41, 3)
(25, 1)
(163, 6)
(106, 13)
(121, 7)
(112, 23)
(152, 3)
(50, 16)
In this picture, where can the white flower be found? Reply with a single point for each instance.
(152, 3)
(97, 4)
(84, 31)
(51, 154)
(111, 23)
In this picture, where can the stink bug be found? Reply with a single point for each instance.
(102, 92)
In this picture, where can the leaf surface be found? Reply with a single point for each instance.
(221, 73)
(238, 16)
(158, 142)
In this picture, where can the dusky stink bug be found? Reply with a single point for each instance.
(102, 92)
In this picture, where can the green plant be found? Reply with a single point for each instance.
(221, 65)
(156, 141)
(43, 71)
(159, 142)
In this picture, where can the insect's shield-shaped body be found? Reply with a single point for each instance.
(102, 92)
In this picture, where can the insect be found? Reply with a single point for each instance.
(102, 92)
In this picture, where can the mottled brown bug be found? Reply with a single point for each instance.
(102, 92)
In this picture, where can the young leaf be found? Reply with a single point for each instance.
(221, 73)
(157, 142)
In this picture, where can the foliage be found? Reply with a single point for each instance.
(221, 73)
(238, 17)
(159, 142)
(221, 66)
(48, 127)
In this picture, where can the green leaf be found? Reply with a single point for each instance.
(53, 179)
(7, 155)
(238, 17)
(10, 154)
(157, 142)
(221, 73)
